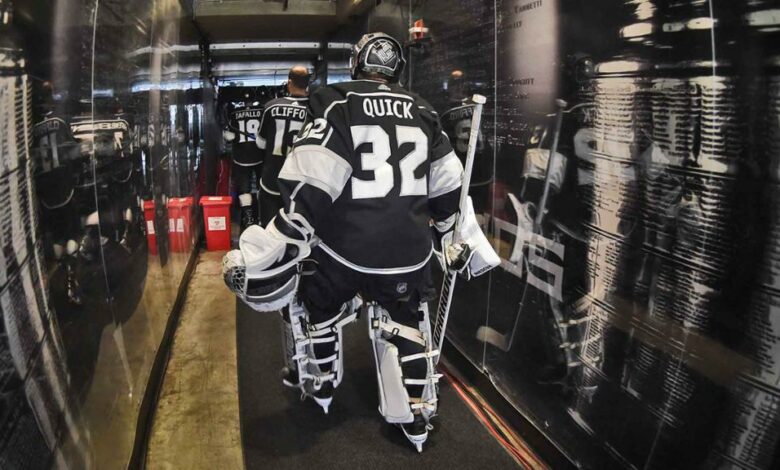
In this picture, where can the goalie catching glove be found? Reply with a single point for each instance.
(463, 247)
(264, 271)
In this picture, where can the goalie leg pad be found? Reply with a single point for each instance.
(395, 403)
(306, 341)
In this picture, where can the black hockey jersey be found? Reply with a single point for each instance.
(111, 146)
(244, 122)
(369, 171)
(53, 144)
(457, 124)
(55, 155)
(282, 119)
(110, 137)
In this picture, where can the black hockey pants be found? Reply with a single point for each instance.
(332, 284)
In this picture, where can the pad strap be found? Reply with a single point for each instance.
(393, 328)
(422, 355)
(321, 333)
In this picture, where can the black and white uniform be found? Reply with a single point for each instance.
(103, 174)
(457, 124)
(244, 122)
(56, 157)
(282, 119)
(368, 172)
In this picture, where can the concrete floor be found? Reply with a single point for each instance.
(196, 425)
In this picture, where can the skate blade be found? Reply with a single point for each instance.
(417, 441)
(323, 402)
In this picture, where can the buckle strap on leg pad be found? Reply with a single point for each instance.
(395, 404)
(307, 335)
(387, 325)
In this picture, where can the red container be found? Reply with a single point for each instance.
(216, 219)
(180, 224)
(151, 235)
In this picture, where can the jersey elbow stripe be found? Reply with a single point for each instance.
(269, 191)
(319, 167)
(446, 175)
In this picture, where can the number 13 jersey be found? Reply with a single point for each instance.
(368, 172)
(282, 119)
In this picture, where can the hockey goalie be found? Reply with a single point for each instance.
(370, 174)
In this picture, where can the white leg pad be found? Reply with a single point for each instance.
(393, 397)
(92, 219)
(394, 401)
(245, 200)
(305, 335)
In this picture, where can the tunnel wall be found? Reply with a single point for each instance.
(102, 142)
(635, 323)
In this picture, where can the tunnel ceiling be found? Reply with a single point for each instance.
(236, 20)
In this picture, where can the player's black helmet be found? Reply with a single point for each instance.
(378, 53)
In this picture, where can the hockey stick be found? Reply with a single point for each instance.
(448, 285)
(485, 333)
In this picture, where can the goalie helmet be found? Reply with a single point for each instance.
(378, 53)
(263, 294)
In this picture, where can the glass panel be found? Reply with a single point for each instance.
(90, 277)
(451, 58)
(632, 319)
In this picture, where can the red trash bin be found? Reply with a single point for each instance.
(151, 236)
(179, 224)
(216, 219)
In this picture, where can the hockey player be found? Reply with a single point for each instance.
(282, 120)
(104, 143)
(243, 124)
(457, 125)
(56, 157)
(368, 173)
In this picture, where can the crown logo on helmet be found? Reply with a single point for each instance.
(377, 53)
(384, 50)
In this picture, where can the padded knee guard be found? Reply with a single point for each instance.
(300, 338)
(395, 404)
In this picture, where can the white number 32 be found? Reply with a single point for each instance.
(376, 161)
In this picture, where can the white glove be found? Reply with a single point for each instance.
(229, 136)
(467, 250)
(268, 258)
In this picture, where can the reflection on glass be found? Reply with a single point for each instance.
(634, 315)
(101, 133)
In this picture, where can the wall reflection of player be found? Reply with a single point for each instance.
(456, 123)
(536, 255)
(158, 177)
(180, 166)
(57, 158)
(124, 174)
(104, 192)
